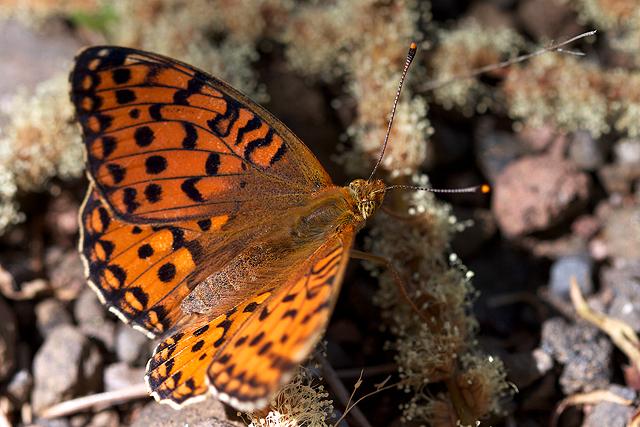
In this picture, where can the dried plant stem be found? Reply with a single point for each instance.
(622, 335)
(592, 397)
(341, 392)
(400, 283)
(110, 398)
(557, 47)
(465, 415)
(379, 388)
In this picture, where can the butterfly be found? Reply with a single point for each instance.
(208, 223)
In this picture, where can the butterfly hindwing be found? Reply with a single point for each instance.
(254, 348)
(167, 142)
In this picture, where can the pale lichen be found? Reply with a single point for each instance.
(559, 89)
(619, 18)
(432, 345)
(302, 402)
(463, 49)
(40, 142)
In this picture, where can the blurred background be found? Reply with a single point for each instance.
(556, 137)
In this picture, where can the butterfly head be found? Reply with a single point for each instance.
(367, 196)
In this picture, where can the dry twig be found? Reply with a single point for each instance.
(103, 400)
(593, 397)
(555, 47)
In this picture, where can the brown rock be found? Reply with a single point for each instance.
(621, 233)
(547, 19)
(66, 272)
(536, 193)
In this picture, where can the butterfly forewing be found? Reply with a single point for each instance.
(167, 142)
(255, 346)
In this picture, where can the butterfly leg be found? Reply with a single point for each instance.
(397, 277)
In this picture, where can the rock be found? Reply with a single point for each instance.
(50, 314)
(620, 176)
(585, 151)
(208, 413)
(108, 418)
(92, 318)
(66, 365)
(624, 282)
(536, 193)
(547, 19)
(583, 350)
(61, 218)
(131, 345)
(627, 151)
(20, 386)
(621, 233)
(586, 226)
(578, 266)
(120, 375)
(611, 414)
(7, 340)
(65, 272)
(56, 422)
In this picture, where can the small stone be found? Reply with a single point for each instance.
(583, 350)
(586, 226)
(585, 151)
(65, 366)
(120, 375)
(92, 318)
(108, 418)
(20, 386)
(208, 413)
(621, 233)
(7, 340)
(50, 314)
(611, 414)
(624, 281)
(130, 344)
(65, 272)
(62, 218)
(562, 270)
(627, 151)
(547, 19)
(536, 193)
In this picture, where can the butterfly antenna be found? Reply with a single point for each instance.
(410, 55)
(484, 189)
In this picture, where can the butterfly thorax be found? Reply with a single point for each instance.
(367, 196)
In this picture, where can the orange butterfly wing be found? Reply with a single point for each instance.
(167, 142)
(254, 347)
